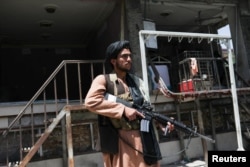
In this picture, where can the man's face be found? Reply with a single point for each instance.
(123, 62)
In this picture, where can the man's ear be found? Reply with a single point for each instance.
(113, 61)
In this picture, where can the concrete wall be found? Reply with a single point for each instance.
(170, 150)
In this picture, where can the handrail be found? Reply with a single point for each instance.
(51, 77)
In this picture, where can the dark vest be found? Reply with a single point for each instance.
(108, 127)
(115, 88)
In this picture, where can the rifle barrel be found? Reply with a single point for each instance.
(164, 119)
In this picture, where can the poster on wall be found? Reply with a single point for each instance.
(151, 42)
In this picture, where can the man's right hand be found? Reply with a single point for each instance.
(131, 113)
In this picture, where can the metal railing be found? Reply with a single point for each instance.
(61, 79)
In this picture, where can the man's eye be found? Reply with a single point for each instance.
(125, 56)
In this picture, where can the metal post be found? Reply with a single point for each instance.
(92, 135)
(182, 143)
(201, 128)
(79, 82)
(234, 98)
(69, 140)
(215, 146)
(64, 144)
(32, 125)
(144, 63)
(66, 83)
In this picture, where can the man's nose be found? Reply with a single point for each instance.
(129, 58)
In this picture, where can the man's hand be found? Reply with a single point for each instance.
(167, 128)
(170, 127)
(131, 113)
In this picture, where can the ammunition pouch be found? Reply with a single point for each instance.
(124, 124)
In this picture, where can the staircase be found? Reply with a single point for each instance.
(53, 112)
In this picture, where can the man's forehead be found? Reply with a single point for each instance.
(125, 50)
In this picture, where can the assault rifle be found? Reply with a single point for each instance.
(146, 110)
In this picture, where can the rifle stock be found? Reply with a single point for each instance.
(147, 111)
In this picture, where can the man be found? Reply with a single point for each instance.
(125, 120)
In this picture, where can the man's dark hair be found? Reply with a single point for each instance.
(114, 49)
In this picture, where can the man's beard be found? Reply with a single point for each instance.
(122, 68)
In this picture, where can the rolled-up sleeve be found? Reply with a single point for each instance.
(95, 102)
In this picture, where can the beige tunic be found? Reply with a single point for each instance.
(127, 156)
